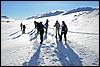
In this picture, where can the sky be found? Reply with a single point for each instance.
(21, 10)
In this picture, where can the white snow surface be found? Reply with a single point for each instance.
(81, 48)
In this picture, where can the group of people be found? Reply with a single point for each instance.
(22, 28)
(64, 30)
(40, 29)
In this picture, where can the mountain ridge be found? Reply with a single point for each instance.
(63, 12)
(47, 14)
(6, 19)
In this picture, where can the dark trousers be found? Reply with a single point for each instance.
(35, 26)
(23, 31)
(64, 35)
(37, 30)
(41, 36)
(46, 30)
(21, 28)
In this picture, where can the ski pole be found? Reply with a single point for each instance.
(36, 38)
(53, 35)
(46, 37)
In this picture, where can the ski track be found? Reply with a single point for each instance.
(50, 51)
(84, 33)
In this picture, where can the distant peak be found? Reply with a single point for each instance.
(4, 17)
(47, 14)
(81, 9)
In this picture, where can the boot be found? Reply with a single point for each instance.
(40, 42)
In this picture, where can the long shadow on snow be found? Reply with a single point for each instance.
(34, 37)
(34, 59)
(14, 33)
(67, 56)
(17, 36)
(25, 33)
(21, 34)
(30, 31)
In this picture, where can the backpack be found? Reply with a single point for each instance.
(64, 28)
(41, 28)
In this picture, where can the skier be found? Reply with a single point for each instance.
(46, 25)
(41, 29)
(21, 26)
(57, 25)
(23, 29)
(64, 30)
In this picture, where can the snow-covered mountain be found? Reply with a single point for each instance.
(80, 49)
(90, 9)
(47, 14)
(5, 19)
(63, 12)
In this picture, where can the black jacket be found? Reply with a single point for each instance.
(64, 28)
(41, 29)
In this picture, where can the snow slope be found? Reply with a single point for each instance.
(81, 48)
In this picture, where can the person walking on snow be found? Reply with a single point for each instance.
(41, 29)
(21, 25)
(64, 30)
(46, 25)
(57, 25)
(23, 31)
